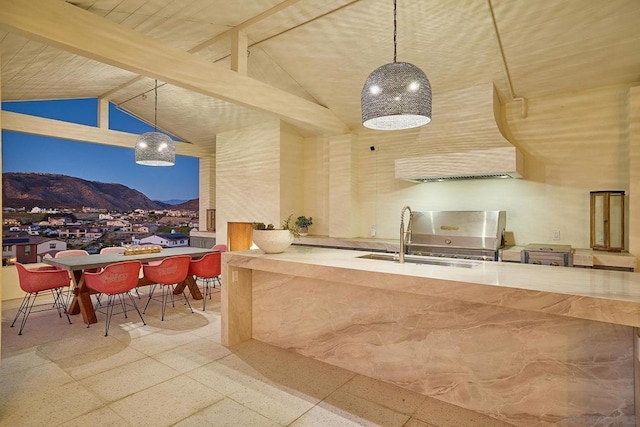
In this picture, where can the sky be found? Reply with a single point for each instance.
(94, 162)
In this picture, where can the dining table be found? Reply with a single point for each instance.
(77, 265)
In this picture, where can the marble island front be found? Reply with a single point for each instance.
(527, 344)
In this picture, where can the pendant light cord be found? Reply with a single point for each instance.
(155, 108)
(395, 31)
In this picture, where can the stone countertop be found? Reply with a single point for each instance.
(581, 257)
(602, 295)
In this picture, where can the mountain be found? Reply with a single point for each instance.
(26, 189)
(172, 201)
(189, 205)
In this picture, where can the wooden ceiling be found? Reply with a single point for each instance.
(320, 51)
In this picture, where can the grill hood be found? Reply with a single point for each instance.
(475, 135)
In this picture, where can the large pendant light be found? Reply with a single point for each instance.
(155, 148)
(396, 95)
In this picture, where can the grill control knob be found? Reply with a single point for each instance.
(448, 242)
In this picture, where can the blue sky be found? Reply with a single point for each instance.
(94, 162)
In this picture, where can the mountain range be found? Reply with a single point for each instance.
(28, 190)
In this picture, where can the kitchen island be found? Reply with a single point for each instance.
(523, 343)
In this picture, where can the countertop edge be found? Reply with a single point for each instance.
(499, 284)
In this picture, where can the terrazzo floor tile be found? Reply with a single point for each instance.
(395, 398)
(85, 340)
(124, 380)
(166, 403)
(198, 353)
(307, 377)
(272, 402)
(344, 409)
(99, 360)
(158, 342)
(32, 379)
(21, 360)
(442, 414)
(219, 377)
(104, 416)
(227, 413)
(417, 423)
(47, 405)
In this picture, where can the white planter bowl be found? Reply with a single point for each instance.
(272, 241)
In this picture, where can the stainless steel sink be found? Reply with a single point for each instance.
(423, 260)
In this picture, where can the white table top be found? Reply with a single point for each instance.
(85, 262)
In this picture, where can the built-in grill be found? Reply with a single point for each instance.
(476, 235)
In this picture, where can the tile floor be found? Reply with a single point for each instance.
(176, 373)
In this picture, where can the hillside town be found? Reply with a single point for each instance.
(28, 236)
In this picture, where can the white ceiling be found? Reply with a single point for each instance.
(323, 50)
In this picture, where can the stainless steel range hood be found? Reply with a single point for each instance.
(502, 162)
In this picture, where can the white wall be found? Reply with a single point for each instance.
(573, 144)
(259, 176)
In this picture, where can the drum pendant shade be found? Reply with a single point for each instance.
(155, 148)
(396, 95)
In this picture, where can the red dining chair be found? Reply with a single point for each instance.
(119, 250)
(207, 269)
(168, 273)
(220, 247)
(34, 282)
(112, 250)
(67, 253)
(116, 280)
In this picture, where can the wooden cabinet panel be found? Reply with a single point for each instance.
(239, 236)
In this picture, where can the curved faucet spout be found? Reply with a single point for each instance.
(402, 233)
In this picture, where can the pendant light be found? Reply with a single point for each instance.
(155, 148)
(396, 95)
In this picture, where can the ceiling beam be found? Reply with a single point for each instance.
(73, 29)
(25, 123)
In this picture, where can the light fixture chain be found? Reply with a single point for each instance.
(155, 108)
(395, 32)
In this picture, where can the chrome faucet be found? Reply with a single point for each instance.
(402, 233)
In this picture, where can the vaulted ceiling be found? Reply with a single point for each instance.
(320, 51)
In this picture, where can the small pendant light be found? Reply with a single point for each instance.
(155, 148)
(396, 95)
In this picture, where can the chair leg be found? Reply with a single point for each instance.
(110, 301)
(22, 309)
(133, 301)
(186, 299)
(123, 304)
(153, 288)
(164, 302)
(61, 306)
(26, 310)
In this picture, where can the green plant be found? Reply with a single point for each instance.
(286, 225)
(262, 226)
(304, 221)
(292, 227)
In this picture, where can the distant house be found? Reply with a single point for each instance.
(169, 240)
(29, 249)
(80, 233)
(140, 228)
(174, 221)
(119, 223)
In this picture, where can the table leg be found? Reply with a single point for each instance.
(82, 300)
(193, 288)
